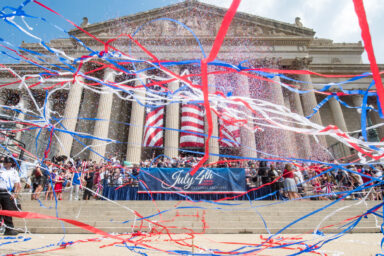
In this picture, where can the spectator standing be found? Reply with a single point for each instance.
(329, 185)
(366, 180)
(342, 179)
(289, 182)
(50, 185)
(275, 186)
(76, 183)
(356, 181)
(263, 172)
(378, 174)
(98, 182)
(9, 191)
(37, 180)
(299, 179)
(25, 174)
(88, 177)
(318, 189)
(59, 185)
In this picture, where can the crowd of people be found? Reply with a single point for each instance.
(89, 176)
(318, 182)
(286, 181)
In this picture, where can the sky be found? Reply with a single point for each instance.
(330, 19)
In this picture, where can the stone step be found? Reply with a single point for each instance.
(269, 204)
(230, 219)
(149, 210)
(209, 216)
(185, 207)
(196, 227)
(122, 230)
(212, 219)
(171, 212)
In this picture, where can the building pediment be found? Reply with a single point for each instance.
(203, 19)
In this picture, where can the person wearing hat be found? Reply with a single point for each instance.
(9, 191)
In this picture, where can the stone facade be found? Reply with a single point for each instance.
(263, 42)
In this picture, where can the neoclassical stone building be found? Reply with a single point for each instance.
(262, 42)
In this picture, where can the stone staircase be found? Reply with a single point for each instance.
(231, 217)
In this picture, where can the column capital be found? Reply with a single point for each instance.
(357, 102)
(108, 77)
(3, 96)
(334, 90)
(301, 63)
(274, 63)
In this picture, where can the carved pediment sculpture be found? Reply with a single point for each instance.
(273, 32)
(203, 19)
(243, 29)
(199, 27)
(301, 63)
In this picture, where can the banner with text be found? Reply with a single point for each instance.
(206, 180)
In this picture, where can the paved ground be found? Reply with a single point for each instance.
(350, 244)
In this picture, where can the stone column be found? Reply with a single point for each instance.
(23, 105)
(71, 112)
(337, 113)
(339, 120)
(285, 141)
(46, 133)
(375, 118)
(357, 101)
(302, 139)
(309, 99)
(172, 121)
(116, 129)
(87, 110)
(292, 135)
(248, 140)
(135, 136)
(103, 112)
(3, 99)
(213, 142)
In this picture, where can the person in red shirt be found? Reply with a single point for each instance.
(59, 185)
(367, 172)
(290, 186)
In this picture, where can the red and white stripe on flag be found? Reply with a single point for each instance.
(153, 132)
(84, 164)
(229, 134)
(192, 120)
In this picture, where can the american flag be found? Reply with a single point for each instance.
(192, 120)
(154, 122)
(229, 134)
(84, 164)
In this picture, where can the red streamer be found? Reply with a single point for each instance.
(204, 76)
(33, 215)
(366, 35)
